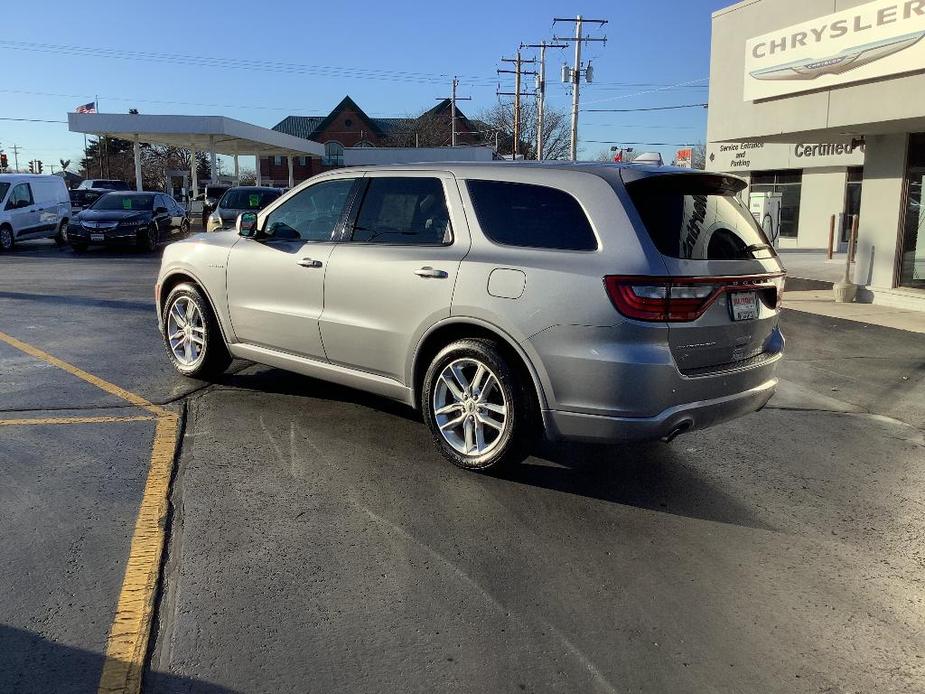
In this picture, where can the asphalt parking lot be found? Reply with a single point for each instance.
(316, 542)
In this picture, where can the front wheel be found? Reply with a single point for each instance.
(6, 239)
(477, 406)
(147, 239)
(192, 337)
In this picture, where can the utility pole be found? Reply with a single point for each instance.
(576, 71)
(518, 71)
(16, 158)
(453, 99)
(541, 91)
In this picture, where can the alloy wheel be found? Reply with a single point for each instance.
(186, 331)
(469, 407)
(6, 239)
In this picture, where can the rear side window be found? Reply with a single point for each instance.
(698, 217)
(403, 210)
(521, 214)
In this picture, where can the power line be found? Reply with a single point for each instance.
(639, 144)
(637, 110)
(331, 71)
(31, 120)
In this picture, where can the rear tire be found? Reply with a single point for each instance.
(6, 239)
(200, 351)
(60, 236)
(477, 406)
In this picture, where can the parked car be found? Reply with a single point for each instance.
(82, 198)
(117, 218)
(104, 184)
(32, 207)
(237, 200)
(203, 204)
(602, 302)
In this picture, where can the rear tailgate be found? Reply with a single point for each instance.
(723, 282)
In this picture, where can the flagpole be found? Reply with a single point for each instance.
(99, 146)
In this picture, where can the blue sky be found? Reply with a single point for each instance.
(393, 58)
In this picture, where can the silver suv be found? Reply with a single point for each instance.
(597, 301)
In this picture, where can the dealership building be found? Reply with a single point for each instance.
(821, 104)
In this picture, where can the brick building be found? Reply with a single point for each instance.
(347, 125)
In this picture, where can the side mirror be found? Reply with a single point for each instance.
(246, 225)
(160, 210)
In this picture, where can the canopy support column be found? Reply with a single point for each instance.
(259, 177)
(237, 170)
(213, 172)
(193, 167)
(291, 176)
(138, 185)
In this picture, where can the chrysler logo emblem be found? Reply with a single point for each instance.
(848, 59)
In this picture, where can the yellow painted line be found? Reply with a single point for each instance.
(131, 627)
(128, 638)
(106, 386)
(75, 420)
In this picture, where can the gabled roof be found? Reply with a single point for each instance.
(442, 107)
(310, 127)
(299, 126)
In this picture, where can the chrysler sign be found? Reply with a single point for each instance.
(874, 40)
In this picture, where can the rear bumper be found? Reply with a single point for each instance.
(575, 426)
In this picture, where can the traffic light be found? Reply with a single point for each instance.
(38, 166)
(31, 166)
(3, 161)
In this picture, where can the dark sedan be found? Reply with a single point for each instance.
(142, 220)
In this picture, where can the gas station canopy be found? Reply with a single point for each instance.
(212, 134)
(202, 133)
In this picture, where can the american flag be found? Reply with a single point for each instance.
(86, 108)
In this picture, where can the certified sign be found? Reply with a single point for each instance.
(877, 39)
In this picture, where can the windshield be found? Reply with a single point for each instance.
(116, 201)
(3, 188)
(698, 217)
(215, 192)
(244, 199)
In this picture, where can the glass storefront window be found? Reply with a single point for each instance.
(852, 200)
(912, 260)
(789, 184)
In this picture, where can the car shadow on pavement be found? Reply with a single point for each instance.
(654, 476)
(41, 248)
(31, 663)
(74, 300)
(266, 379)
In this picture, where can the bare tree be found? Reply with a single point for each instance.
(556, 133)
(699, 159)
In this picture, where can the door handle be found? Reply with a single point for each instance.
(429, 272)
(308, 262)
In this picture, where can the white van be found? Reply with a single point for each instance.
(32, 207)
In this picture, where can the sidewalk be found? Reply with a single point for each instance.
(822, 303)
(810, 275)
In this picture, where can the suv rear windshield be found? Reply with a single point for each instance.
(698, 217)
(247, 199)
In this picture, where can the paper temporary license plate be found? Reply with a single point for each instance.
(744, 305)
(97, 237)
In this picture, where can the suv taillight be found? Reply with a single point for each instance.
(677, 299)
